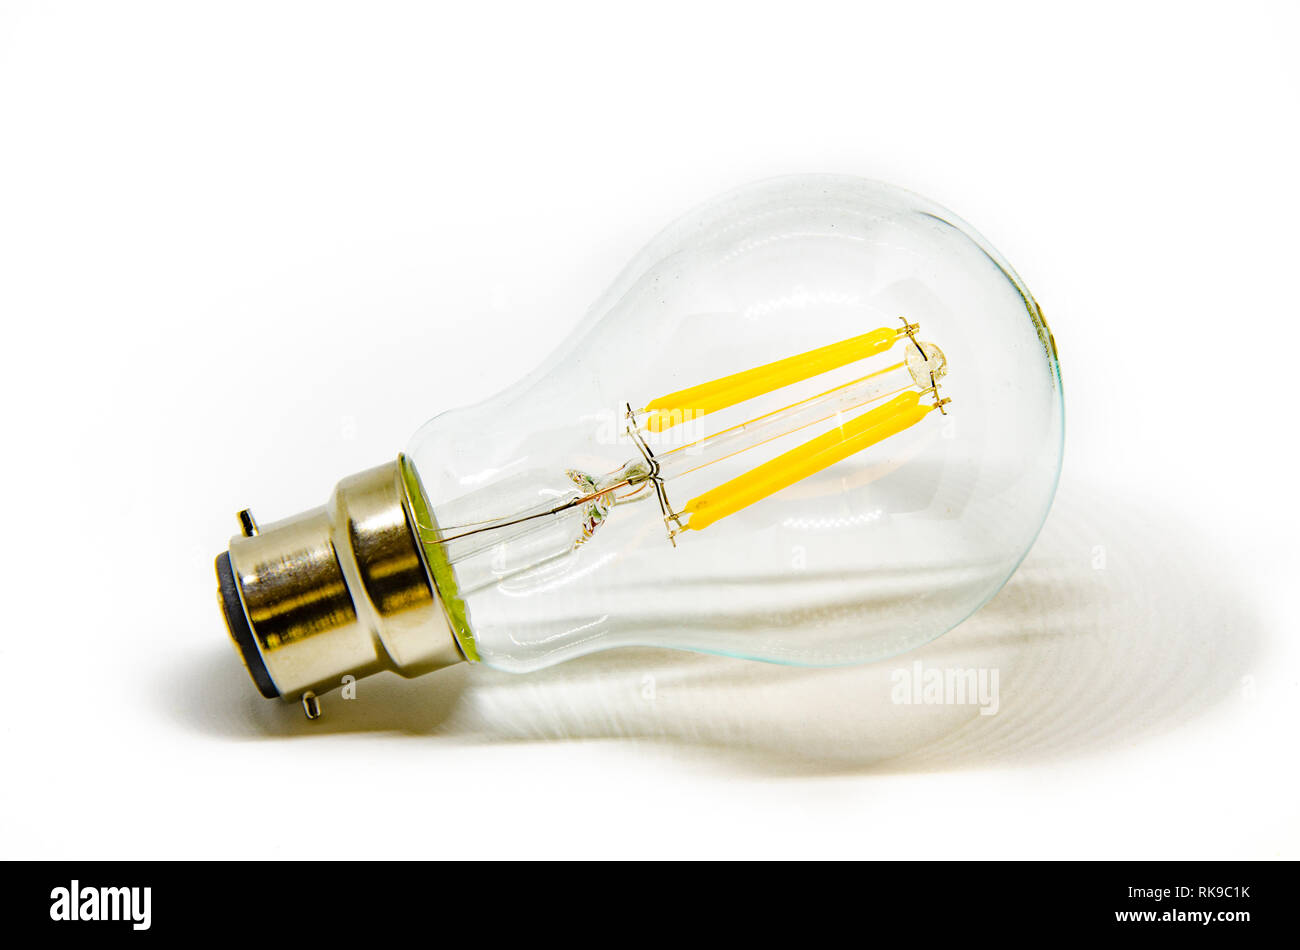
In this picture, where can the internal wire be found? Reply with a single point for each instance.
(910, 329)
(493, 525)
(666, 509)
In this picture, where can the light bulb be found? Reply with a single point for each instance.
(817, 421)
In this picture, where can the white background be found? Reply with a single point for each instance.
(245, 249)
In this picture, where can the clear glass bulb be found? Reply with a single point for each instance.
(747, 447)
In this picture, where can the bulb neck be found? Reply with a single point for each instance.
(341, 590)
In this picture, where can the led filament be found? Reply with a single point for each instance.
(887, 400)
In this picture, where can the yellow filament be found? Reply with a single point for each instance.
(811, 422)
(799, 463)
(668, 411)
